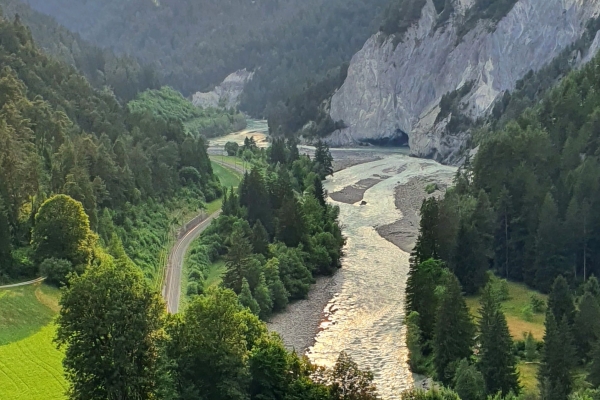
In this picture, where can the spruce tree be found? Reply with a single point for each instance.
(5, 241)
(291, 223)
(427, 244)
(320, 192)
(454, 330)
(421, 297)
(276, 288)
(550, 262)
(468, 382)
(323, 159)
(260, 239)
(237, 262)
(496, 362)
(560, 301)
(263, 298)
(469, 262)
(502, 236)
(413, 343)
(293, 154)
(557, 365)
(586, 327)
(246, 298)
(593, 287)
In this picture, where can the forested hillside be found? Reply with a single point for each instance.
(194, 45)
(527, 204)
(59, 135)
(125, 75)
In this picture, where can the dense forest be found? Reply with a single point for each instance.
(60, 135)
(123, 74)
(194, 45)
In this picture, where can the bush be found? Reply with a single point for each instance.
(194, 289)
(56, 270)
(537, 305)
(431, 187)
(527, 313)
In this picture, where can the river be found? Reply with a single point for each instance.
(365, 315)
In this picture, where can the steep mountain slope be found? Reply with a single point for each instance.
(101, 67)
(196, 44)
(395, 83)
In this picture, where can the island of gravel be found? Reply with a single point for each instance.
(303, 319)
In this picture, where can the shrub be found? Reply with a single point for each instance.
(537, 305)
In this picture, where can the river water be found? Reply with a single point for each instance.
(365, 317)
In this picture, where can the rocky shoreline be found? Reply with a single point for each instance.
(303, 319)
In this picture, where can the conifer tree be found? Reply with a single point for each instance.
(263, 298)
(427, 244)
(260, 239)
(586, 327)
(550, 262)
(413, 343)
(276, 288)
(558, 360)
(323, 159)
(560, 301)
(238, 260)
(294, 154)
(246, 298)
(496, 362)
(5, 240)
(291, 223)
(421, 297)
(320, 192)
(502, 235)
(454, 330)
(468, 382)
(469, 262)
(593, 287)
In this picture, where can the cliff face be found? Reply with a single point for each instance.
(226, 94)
(394, 90)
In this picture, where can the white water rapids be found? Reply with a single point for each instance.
(366, 315)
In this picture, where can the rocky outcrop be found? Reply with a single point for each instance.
(391, 90)
(225, 95)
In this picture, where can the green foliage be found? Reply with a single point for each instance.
(247, 300)
(453, 333)
(413, 343)
(556, 373)
(496, 361)
(560, 301)
(531, 352)
(537, 305)
(430, 188)
(232, 148)
(347, 381)
(468, 382)
(323, 159)
(586, 327)
(169, 105)
(56, 271)
(434, 394)
(450, 102)
(62, 231)
(111, 306)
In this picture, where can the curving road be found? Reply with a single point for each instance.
(172, 288)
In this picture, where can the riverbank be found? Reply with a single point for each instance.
(361, 309)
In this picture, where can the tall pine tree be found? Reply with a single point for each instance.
(558, 360)
(586, 328)
(454, 330)
(496, 362)
(560, 301)
(427, 245)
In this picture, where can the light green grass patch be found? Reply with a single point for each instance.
(31, 369)
(25, 310)
(30, 364)
(528, 377)
(520, 298)
(215, 274)
(228, 177)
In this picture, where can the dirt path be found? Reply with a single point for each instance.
(31, 282)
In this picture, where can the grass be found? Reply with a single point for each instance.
(519, 298)
(528, 377)
(228, 177)
(25, 310)
(215, 274)
(30, 364)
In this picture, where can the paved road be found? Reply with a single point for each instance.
(22, 283)
(171, 290)
(172, 287)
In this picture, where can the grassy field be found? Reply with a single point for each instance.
(30, 364)
(518, 323)
(228, 177)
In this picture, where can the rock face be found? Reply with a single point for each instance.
(394, 90)
(226, 94)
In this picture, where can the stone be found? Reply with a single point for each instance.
(226, 94)
(392, 90)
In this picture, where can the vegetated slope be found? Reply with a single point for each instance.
(101, 67)
(436, 68)
(59, 135)
(30, 364)
(196, 44)
(529, 201)
(169, 105)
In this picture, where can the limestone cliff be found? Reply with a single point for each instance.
(226, 94)
(391, 90)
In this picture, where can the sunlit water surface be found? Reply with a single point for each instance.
(366, 316)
